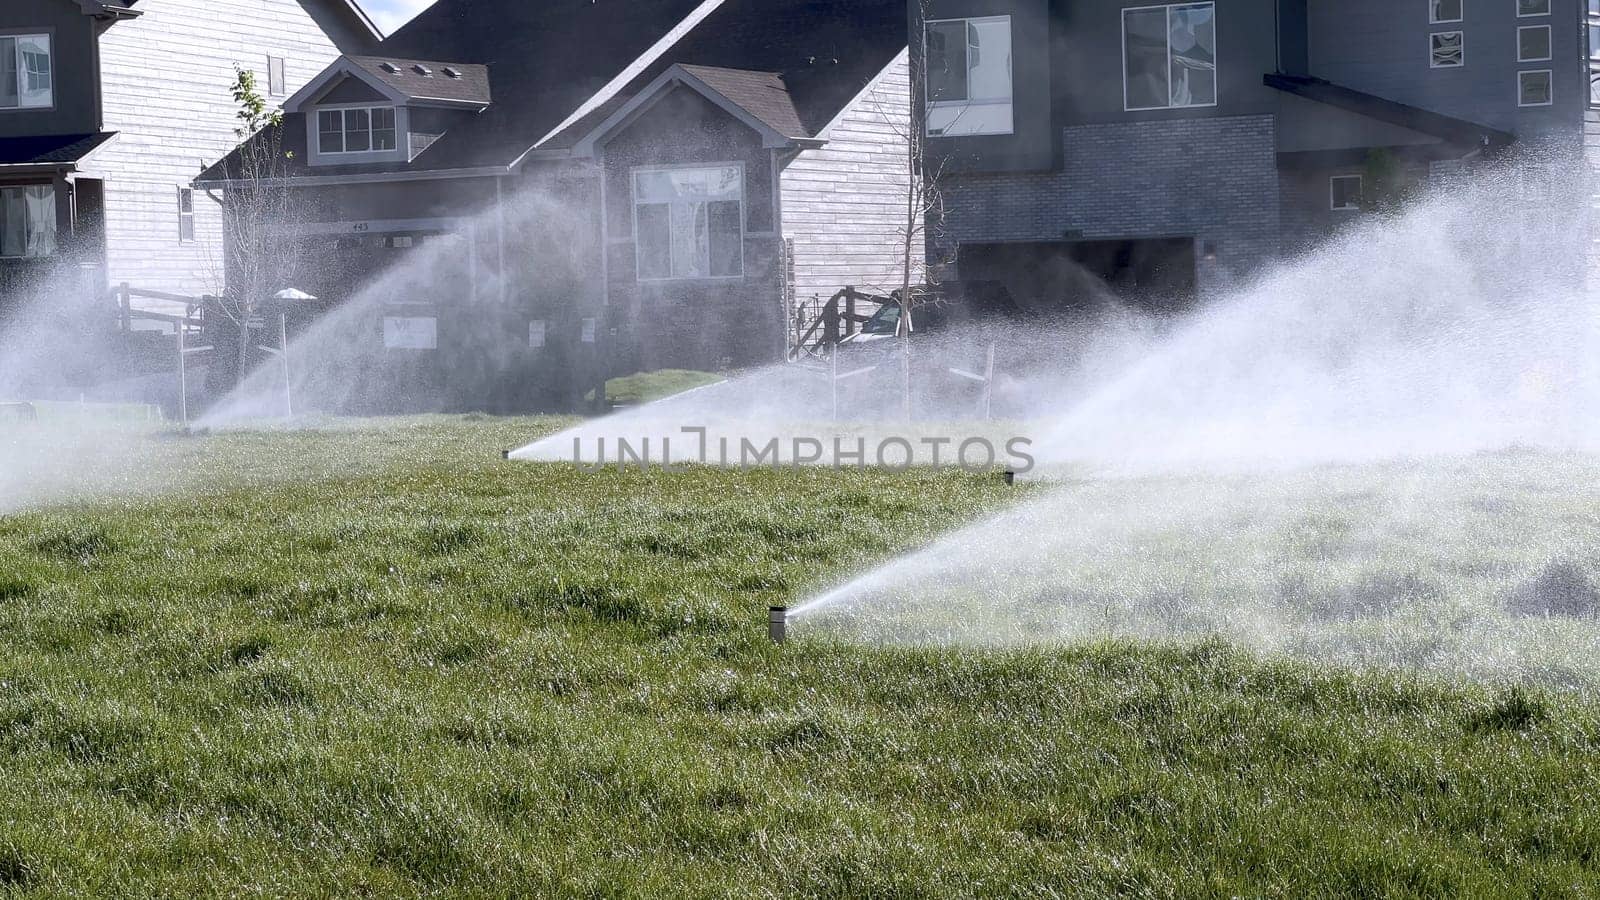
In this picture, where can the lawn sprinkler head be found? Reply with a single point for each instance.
(505, 454)
(778, 624)
(1011, 477)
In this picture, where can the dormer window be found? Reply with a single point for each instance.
(366, 129)
(422, 70)
(27, 77)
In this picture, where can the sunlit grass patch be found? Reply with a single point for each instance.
(383, 660)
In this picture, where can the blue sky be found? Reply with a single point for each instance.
(391, 14)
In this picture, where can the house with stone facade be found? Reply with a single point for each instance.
(1164, 151)
(575, 184)
(109, 108)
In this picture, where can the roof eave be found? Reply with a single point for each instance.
(1460, 132)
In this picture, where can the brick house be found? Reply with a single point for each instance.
(646, 185)
(1170, 149)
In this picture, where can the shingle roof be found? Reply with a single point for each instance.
(51, 150)
(545, 60)
(762, 94)
(429, 79)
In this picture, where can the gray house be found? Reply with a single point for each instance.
(655, 187)
(1169, 149)
(108, 109)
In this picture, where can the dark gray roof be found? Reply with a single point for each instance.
(545, 60)
(429, 79)
(1446, 128)
(761, 94)
(59, 150)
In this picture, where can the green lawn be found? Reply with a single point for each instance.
(382, 660)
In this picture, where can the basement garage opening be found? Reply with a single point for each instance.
(1065, 277)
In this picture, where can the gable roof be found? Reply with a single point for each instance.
(1446, 128)
(426, 82)
(430, 80)
(762, 94)
(759, 99)
(560, 67)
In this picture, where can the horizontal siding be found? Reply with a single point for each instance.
(166, 79)
(844, 203)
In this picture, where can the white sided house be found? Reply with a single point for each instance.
(108, 110)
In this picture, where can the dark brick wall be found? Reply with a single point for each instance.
(1214, 179)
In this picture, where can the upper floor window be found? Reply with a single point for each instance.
(1533, 43)
(27, 79)
(1534, 88)
(27, 221)
(357, 130)
(185, 215)
(689, 223)
(969, 76)
(1169, 56)
(276, 83)
(1447, 50)
(1533, 8)
(1441, 11)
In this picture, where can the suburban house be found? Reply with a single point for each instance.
(109, 108)
(1166, 150)
(571, 182)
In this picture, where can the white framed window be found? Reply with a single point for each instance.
(27, 221)
(1533, 88)
(1169, 56)
(1594, 53)
(27, 73)
(277, 84)
(185, 215)
(1526, 8)
(969, 76)
(1344, 193)
(689, 222)
(1533, 43)
(362, 129)
(1447, 50)
(1443, 11)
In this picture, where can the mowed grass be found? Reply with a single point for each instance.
(380, 660)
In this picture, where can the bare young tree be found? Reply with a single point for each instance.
(257, 209)
(923, 205)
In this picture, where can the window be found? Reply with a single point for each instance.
(969, 76)
(1169, 56)
(689, 223)
(185, 215)
(1447, 50)
(363, 130)
(1440, 11)
(1533, 43)
(1344, 193)
(1533, 8)
(27, 79)
(1533, 88)
(28, 221)
(276, 85)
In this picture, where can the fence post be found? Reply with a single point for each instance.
(850, 311)
(125, 307)
(183, 377)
